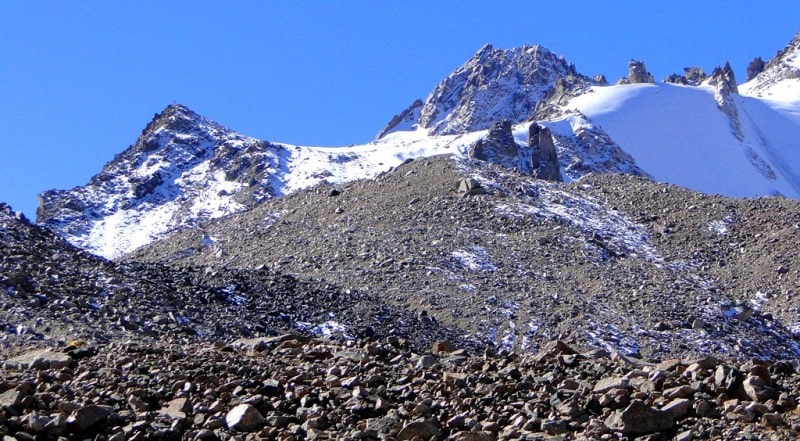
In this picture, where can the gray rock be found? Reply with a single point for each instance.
(177, 408)
(245, 418)
(88, 416)
(756, 388)
(728, 378)
(40, 359)
(470, 187)
(544, 158)
(11, 397)
(422, 429)
(639, 418)
(678, 408)
(554, 427)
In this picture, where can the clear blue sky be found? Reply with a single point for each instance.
(79, 80)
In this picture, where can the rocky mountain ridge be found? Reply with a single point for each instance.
(494, 85)
(771, 77)
(183, 169)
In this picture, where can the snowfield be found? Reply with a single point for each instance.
(678, 135)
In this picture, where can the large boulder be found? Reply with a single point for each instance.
(498, 147)
(639, 418)
(544, 158)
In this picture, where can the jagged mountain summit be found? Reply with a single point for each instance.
(696, 131)
(494, 85)
(182, 170)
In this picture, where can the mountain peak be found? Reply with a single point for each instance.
(177, 118)
(782, 69)
(494, 84)
(183, 169)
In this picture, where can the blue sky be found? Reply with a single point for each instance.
(79, 80)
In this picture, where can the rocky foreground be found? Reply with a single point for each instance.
(292, 387)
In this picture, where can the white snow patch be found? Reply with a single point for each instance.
(477, 260)
(721, 227)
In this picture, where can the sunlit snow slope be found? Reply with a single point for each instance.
(678, 134)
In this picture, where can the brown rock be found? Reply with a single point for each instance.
(678, 408)
(442, 346)
(639, 418)
(756, 388)
(684, 391)
(474, 436)
(607, 384)
(554, 348)
(177, 408)
(422, 429)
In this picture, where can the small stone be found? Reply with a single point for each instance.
(678, 408)
(554, 427)
(772, 419)
(244, 417)
(442, 346)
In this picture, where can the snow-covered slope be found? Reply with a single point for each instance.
(679, 135)
(780, 79)
(185, 169)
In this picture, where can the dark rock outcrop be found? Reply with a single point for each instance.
(408, 117)
(637, 73)
(499, 147)
(692, 76)
(754, 68)
(544, 158)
